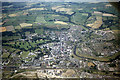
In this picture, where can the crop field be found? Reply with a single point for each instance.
(53, 17)
(80, 9)
(56, 7)
(60, 9)
(2, 29)
(39, 31)
(91, 19)
(37, 9)
(9, 22)
(17, 27)
(90, 64)
(40, 19)
(9, 28)
(69, 12)
(79, 18)
(97, 13)
(116, 31)
(60, 22)
(97, 23)
(106, 14)
(69, 73)
(12, 15)
(63, 9)
(59, 26)
(25, 25)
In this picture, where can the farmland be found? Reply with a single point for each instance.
(2, 29)
(60, 22)
(25, 25)
(12, 15)
(97, 23)
(36, 9)
(40, 19)
(79, 18)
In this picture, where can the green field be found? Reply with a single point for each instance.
(39, 31)
(79, 18)
(40, 19)
(91, 20)
(53, 17)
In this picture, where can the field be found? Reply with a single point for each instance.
(40, 19)
(69, 73)
(91, 20)
(97, 13)
(9, 22)
(54, 17)
(57, 26)
(105, 14)
(39, 31)
(79, 18)
(80, 9)
(60, 22)
(12, 15)
(37, 9)
(2, 29)
(67, 10)
(25, 25)
(63, 9)
(116, 31)
(9, 28)
(17, 27)
(40, 74)
(97, 23)
(56, 7)
(60, 9)
(90, 64)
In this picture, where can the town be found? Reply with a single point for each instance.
(60, 40)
